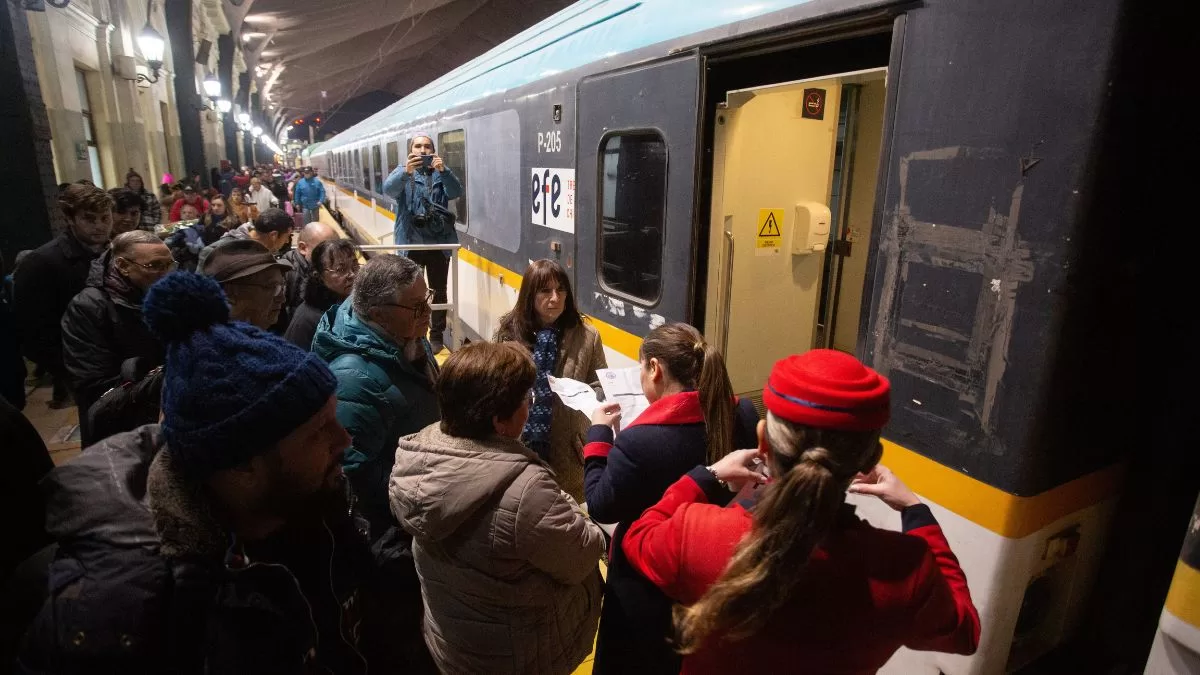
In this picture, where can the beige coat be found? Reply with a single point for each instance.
(508, 562)
(580, 355)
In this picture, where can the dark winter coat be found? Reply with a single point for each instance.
(624, 477)
(318, 299)
(381, 396)
(105, 340)
(12, 365)
(43, 285)
(26, 461)
(146, 581)
(295, 281)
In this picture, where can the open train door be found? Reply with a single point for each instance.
(636, 189)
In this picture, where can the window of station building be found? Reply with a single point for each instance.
(89, 127)
(633, 198)
(452, 148)
(377, 167)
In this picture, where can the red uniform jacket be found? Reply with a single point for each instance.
(865, 593)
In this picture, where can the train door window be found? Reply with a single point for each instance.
(393, 157)
(356, 167)
(377, 166)
(365, 165)
(633, 199)
(452, 148)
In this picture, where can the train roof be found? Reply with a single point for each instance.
(586, 32)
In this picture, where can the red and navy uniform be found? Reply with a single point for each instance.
(865, 592)
(624, 477)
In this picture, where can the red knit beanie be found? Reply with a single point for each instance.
(828, 389)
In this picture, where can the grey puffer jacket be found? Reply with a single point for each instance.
(507, 560)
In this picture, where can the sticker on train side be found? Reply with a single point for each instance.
(553, 192)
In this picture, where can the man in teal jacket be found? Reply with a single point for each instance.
(423, 188)
(374, 343)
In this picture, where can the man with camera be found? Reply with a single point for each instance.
(423, 188)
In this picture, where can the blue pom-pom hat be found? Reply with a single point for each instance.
(230, 390)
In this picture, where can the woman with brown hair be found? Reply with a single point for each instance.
(564, 344)
(693, 419)
(508, 563)
(793, 579)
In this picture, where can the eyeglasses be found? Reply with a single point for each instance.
(342, 271)
(156, 266)
(422, 308)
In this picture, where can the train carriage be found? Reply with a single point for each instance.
(908, 182)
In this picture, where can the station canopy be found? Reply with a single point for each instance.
(346, 48)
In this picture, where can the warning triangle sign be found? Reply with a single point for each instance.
(769, 228)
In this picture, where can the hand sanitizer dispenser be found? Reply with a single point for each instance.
(811, 233)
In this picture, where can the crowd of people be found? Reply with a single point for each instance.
(278, 476)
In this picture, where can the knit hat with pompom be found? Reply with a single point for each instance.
(230, 390)
(828, 389)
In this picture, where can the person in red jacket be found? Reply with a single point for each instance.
(190, 198)
(789, 579)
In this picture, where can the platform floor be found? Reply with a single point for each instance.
(59, 429)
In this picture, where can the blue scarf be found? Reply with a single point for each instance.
(545, 357)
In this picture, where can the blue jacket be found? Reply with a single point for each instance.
(381, 396)
(310, 193)
(407, 190)
(623, 477)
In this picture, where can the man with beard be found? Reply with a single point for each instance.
(53, 274)
(218, 540)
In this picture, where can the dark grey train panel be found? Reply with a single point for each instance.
(634, 242)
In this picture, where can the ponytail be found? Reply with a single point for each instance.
(695, 364)
(799, 508)
(716, 400)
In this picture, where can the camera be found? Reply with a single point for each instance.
(426, 161)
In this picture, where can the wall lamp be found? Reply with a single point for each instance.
(152, 46)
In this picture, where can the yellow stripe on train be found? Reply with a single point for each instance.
(989, 507)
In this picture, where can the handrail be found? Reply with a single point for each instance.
(452, 306)
(409, 247)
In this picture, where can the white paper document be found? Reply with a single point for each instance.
(624, 385)
(574, 394)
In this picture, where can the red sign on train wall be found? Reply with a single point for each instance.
(814, 104)
(553, 192)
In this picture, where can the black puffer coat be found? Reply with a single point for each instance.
(105, 341)
(146, 581)
(43, 285)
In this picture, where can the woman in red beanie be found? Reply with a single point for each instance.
(795, 582)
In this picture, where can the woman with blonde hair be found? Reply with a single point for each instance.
(792, 579)
(693, 419)
(564, 344)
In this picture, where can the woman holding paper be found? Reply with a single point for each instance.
(547, 321)
(693, 419)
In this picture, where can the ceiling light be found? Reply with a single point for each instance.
(224, 105)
